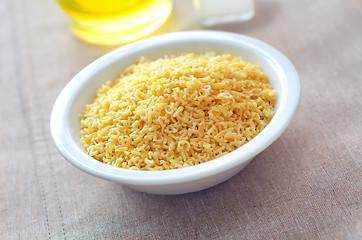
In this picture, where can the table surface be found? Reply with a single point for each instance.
(306, 185)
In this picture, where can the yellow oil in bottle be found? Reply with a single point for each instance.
(114, 22)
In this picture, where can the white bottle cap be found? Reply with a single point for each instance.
(215, 12)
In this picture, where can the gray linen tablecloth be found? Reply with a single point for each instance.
(306, 185)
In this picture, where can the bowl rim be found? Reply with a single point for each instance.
(61, 133)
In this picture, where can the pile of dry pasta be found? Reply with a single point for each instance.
(177, 111)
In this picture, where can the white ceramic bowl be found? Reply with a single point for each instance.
(65, 124)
